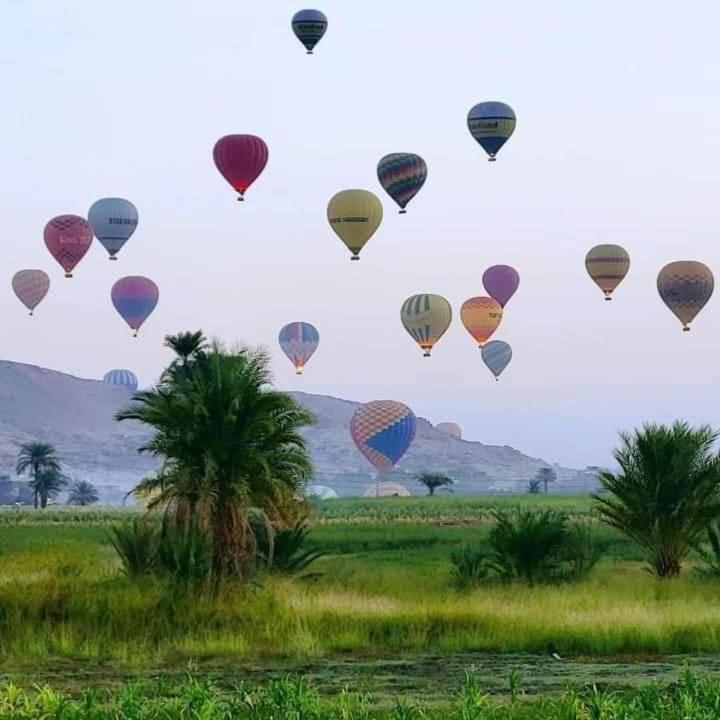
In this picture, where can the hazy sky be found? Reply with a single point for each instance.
(617, 141)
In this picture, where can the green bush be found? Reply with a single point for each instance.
(470, 565)
(136, 543)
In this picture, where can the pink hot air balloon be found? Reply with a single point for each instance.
(68, 238)
(240, 160)
(135, 298)
(31, 287)
(501, 282)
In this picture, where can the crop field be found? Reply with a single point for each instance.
(380, 612)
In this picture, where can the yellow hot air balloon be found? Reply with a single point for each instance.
(685, 287)
(354, 215)
(426, 317)
(607, 265)
(481, 317)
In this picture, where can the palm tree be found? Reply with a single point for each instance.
(36, 458)
(230, 443)
(666, 493)
(47, 484)
(433, 481)
(534, 487)
(545, 476)
(82, 493)
(186, 346)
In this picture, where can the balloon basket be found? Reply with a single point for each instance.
(426, 353)
(299, 372)
(403, 212)
(355, 257)
(492, 159)
(31, 313)
(240, 198)
(68, 275)
(113, 257)
(686, 329)
(309, 52)
(608, 298)
(135, 333)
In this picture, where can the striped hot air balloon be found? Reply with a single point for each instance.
(122, 378)
(383, 430)
(354, 215)
(450, 428)
(607, 265)
(481, 317)
(299, 340)
(309, 26)
(402, 175)
(135, 298)
(31, 287)
(491, 124)
(68, 238)
(497, 355)
(426, 318)
(240, 160)
(685, 287)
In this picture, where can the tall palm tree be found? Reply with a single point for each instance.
(35, 458)
(666, 493)
(47, 484)
(229, 442)
(82, 493)
(433, 481)
(186, 345)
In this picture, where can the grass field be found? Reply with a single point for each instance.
(382, 597)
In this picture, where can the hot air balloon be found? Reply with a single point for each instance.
(122, 378)
(240, 160)
(497, 356)
(491, 124)
(402, 175)
(426, 317)
(383, 430)
(607, 265)
(309, 26)
(387, 489)
(320, 492)
(685, 287)
(31, 287)
(501, 282)
(113, 221)
(299, 340)
(450, 428)
(481, 317)
(354, 215)
(135, 298)
(68, 238)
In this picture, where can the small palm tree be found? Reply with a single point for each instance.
(82, 493)
(534, 487)
(545, 476)
(433, 481)
(186, 345)
(47, 484)
(36, 458)
(666, 493)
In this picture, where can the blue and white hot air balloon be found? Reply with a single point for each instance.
(497, 356)
(113, 221)
(491, 124)
(309, 26)
(122, 378)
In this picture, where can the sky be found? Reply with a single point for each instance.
(616, 141)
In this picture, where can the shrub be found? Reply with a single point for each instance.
(136, 543)
(469, 566)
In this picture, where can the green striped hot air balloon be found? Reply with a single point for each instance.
(426, 317)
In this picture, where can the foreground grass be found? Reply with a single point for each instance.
(295, 699)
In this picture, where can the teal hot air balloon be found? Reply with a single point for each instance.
(491, 124)
(497, 356)
(402, 175)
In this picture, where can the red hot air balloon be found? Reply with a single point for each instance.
(240, 160)
(135, 298)
(68, 238)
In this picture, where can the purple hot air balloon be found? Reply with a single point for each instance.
(501, 282)
(135, 298)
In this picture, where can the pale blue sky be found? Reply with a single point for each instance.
(616, 142)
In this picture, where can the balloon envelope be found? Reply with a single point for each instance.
(113, 221)
(450, 428)
(135, 298)
(299, 340)
(309, 26)
(240, 160)
(426, 318)
(31, 287)
(481, 317)
(354, 216)
(402, 175)
(68, 238)
(491, 124)
(122, 378)
(607, 265)
(383, 430)
(320, 492)
(497, 356)
(685, 287)
(501, 282)
(387, 489)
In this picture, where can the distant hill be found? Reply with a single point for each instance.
(76, 416)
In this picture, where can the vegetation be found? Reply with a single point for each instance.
(709, 552)
(433, 481)
(545, 476)
(230, 445)
(82, 493)
(40, 460)
(534, 487)
(666, 494)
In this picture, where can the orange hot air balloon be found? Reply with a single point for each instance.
(481, 317)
